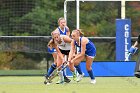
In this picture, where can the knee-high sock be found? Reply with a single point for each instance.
(64, 74)
(78, 68)
(51, 69)
(90, 72)
(60, 73)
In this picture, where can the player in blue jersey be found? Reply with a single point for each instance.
(87, 50)
(63, 28)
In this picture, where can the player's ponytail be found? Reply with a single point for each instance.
(80, 32)
(51, 44)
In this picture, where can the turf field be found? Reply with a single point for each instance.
(34, 84)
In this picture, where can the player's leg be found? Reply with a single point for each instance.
(66, 79)
(60, 73)
(53, 66)
(89, 61)
(73, 70)
(78, 68)
(76, 63)
(81, 74)
(137, 68)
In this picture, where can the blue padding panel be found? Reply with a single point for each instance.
(123, 38)
(109, 68)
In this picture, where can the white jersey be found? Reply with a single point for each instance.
(63, 45)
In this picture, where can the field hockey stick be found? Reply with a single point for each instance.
(56, 74)
(64, 65)
(128, 56)
(53, 74)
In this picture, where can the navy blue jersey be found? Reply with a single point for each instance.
(90, 48)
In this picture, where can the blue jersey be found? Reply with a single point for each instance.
(90, 48)
(61, 32)
(51, 51)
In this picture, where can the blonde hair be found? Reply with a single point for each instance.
(51, 43)
(55, 32)
(61, 18)
(79, 31)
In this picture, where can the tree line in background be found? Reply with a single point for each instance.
(39, 18)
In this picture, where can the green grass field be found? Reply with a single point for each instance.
(34, 84)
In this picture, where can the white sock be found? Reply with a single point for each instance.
(61, 75)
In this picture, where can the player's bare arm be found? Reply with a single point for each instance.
(72, 51)
(83, 49)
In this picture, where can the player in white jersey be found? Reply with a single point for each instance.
(62, 45)
(64, 30)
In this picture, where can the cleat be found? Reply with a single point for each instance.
(47, 80)
(137, 74)
(79, 78)
(66, 80)
(46, 77)
(93, 81)
(59, 82)
(48, 83)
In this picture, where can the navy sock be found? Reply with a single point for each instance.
(91, 74)
(78, 68)
(51, 69)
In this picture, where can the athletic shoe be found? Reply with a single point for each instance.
(80, 76)
(66, 80)
(137, 74)
(46, 77)
(74, 76)
(47, 83)
(47, 80)
(60, 82)
(93, 81)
